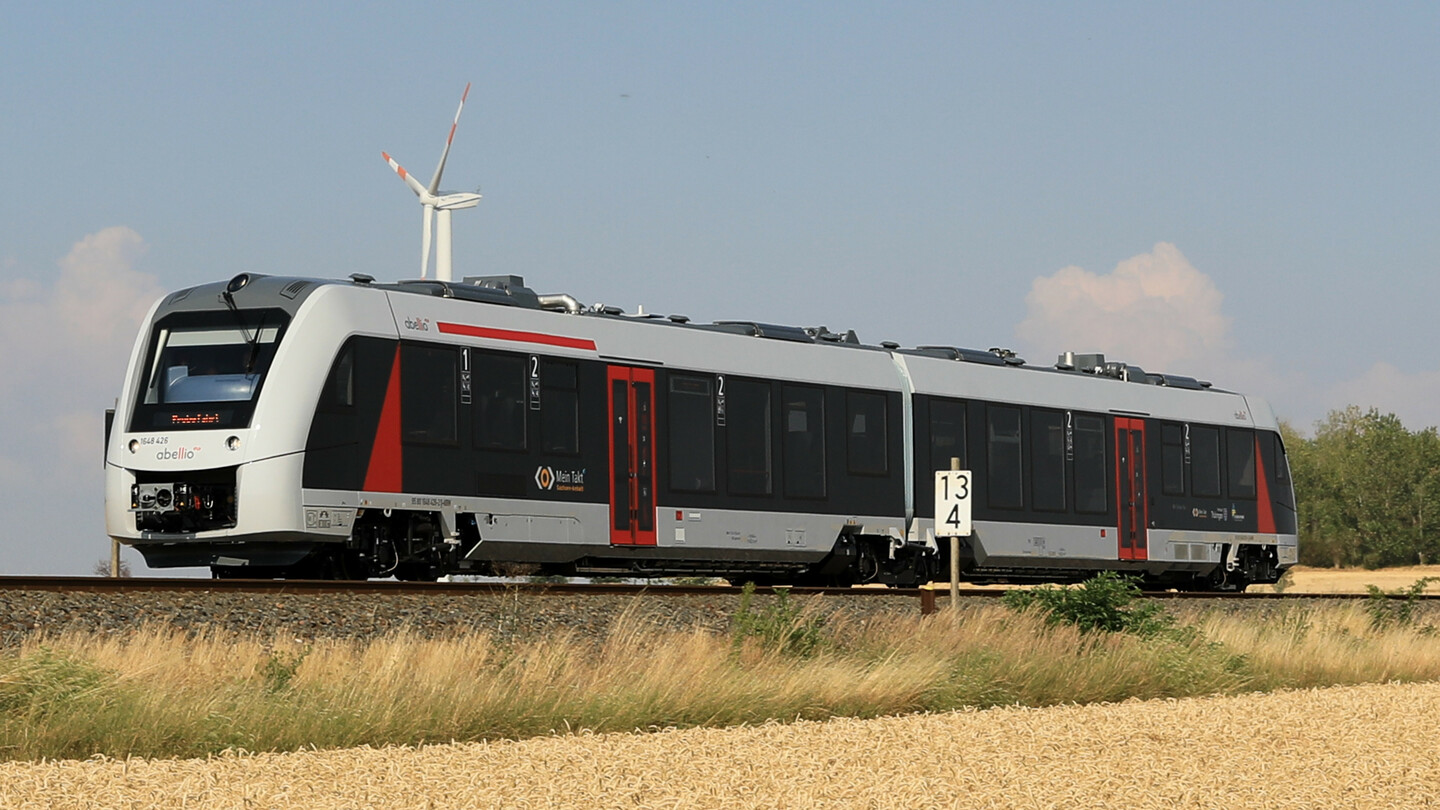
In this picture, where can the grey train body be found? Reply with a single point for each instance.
(348, 429)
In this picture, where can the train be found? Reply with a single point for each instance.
(349, 428)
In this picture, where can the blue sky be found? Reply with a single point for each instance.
(1240, 192)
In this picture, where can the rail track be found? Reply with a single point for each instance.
(929, 598)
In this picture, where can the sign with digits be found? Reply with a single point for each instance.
(952, 503)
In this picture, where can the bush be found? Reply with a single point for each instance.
(1105, 603)
(1387, 612)
(782, 627)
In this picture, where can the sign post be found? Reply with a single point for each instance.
(952, 516)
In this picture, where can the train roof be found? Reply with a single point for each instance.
(511, 291)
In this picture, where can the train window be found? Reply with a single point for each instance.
(1204, 461)
(1240, 445)
(1172, 460)
(340, 386)
(500, 407)
(947, 433)
(428, 396)
(1282, 463)
(560, 408)
(804, 427)
(1092, 490)
(1047, 460)
(865, 427)
(692, 434)
(211, 364)
(747, 437)
(1004, 473)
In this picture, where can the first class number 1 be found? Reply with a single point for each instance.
(952, 503)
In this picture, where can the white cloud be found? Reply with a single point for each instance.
(68, 336)
(1154, 310)
(1159, 312)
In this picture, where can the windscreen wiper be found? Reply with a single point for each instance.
(255, 345)
(229, 296)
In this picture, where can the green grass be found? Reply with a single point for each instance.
(159, 693)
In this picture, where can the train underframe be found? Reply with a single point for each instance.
(414, 546)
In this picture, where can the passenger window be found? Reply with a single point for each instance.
(865, 427)
(1092, 489)
(947, 433)
(747, 437)
(692, 434)
(500, 407)
(1204, 461)
(1241, 467)
(1047, 460)
(1172, 460)
(1006, 485)
(804, 425)
(559, 408)
(340, 386)
(427, 401)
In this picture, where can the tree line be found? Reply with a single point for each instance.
(1367, 489)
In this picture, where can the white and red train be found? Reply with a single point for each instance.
(347, 429)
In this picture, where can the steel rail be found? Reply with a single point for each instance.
(930, 597)
(318, 586)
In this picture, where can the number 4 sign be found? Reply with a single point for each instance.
(952, 503)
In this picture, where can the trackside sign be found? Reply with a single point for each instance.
(952, 503)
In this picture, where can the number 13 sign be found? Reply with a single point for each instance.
(952, 503)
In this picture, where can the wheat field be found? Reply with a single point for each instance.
(1368, 746)
(1303, 579)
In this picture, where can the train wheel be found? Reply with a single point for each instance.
(341, 565)
(927, 568)
(251, 572)
(867, 563)
(416, 572)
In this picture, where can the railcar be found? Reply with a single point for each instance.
(301, 427)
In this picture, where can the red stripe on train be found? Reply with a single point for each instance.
(1266, 512)
(384, 473)
(518, 337)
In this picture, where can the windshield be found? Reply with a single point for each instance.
(205, 369)
(209, 365)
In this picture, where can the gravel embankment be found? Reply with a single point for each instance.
(307, 617)
(506, 616)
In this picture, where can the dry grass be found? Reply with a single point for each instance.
(157, 693)
(1358, 747)
(1306, 646)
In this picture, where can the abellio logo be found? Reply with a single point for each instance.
(417, 324)
(177, 454)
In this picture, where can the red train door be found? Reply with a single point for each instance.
(1130, 487)
(632, 455)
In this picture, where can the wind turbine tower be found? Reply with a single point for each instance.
(433, 202)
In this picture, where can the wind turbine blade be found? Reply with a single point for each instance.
(404, 175)
(425, 240)
(440, 169)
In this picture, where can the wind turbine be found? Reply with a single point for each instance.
(433, 200)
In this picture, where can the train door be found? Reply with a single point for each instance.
(632, 455)
(1130, 487)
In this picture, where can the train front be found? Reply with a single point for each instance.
(190, 479)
